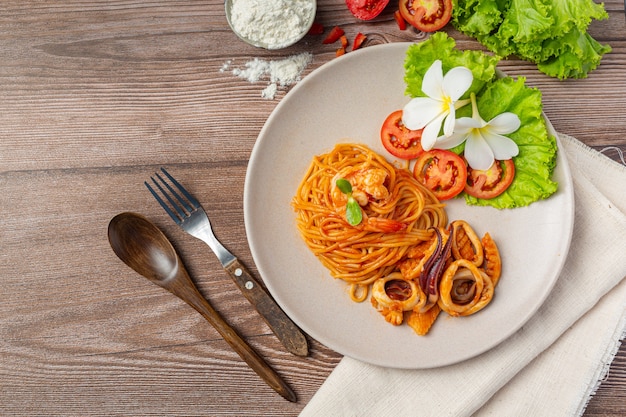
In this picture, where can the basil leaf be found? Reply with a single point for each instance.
(354, 215)
(344, 186)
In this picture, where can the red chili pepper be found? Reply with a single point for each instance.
(334, 35)
(358, 41)
(399, 20)
(344, 42)
(316, 29)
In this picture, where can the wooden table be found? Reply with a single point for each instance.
(94, 97)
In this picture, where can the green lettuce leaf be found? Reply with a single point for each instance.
(573, 61)
(551, 33)
(580, 13)
(526, 21)
(478, 18)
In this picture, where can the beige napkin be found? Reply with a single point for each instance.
(551, 366)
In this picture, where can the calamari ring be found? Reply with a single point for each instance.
(412, 296)
(477, 296)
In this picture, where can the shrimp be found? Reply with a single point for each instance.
(367, 184)
(381, 224)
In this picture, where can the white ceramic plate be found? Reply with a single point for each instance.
(346, 100)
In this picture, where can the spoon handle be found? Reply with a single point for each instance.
(193, 297)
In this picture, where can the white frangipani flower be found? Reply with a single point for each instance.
(439, 107)
(484, 142)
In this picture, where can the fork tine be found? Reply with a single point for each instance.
(185, 210)
(182, 208)
(173, 215)
(182, 189)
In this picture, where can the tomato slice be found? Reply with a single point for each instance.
(399, 140)
(442, 172)
(366, 9)
(426, 15)
(492, 182)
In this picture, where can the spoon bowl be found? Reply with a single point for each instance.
(141, 245)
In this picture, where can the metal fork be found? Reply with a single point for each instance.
(187, 212)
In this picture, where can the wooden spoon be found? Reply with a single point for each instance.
(143, 247)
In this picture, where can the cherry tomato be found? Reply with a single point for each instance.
(366, 9)
(426, 15)
(442, 172)
(400, 141)
(492, 182)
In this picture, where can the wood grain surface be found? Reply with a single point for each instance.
(94, 97)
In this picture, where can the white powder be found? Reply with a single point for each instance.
(284, 72)
(272, 24)
(270, 91)
(226, 65)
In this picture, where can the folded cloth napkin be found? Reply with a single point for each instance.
(551, 366)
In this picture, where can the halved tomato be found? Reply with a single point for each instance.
(426, 15)
(442, 172)
(492, 182)
(366, 9)
(399, 140)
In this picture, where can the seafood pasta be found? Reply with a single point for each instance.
(401, 249)
(397, 211)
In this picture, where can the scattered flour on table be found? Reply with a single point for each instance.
(283, 73)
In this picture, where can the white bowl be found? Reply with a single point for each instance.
(283, 26)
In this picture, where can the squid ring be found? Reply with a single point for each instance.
(466, 291)
(394, 292)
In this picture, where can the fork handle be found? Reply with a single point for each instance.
(287, 332)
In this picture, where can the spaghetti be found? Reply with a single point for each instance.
(391, 226)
